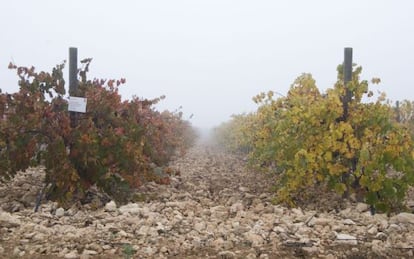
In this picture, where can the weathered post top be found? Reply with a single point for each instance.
(347, 65)
(73, 71)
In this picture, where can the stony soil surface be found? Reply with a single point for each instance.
(216, 208)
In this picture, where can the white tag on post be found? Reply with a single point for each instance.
(77, 104)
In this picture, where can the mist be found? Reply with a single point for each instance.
(212, 57)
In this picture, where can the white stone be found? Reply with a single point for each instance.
(403, 217)
(236, 207)
(219, 212)
(348, 222)
(1, 250)
(8, 220)
(89, 252)
(16, 251)
(106, 247)
(320, 222)
(378, 247)
(243, 189)
(218, 243)
(227, 255)
(393, 229)
(313, 250)
(110, 206)
(235, 224)
(345, 238)
(60, 212)
(123, 234)
(298, 212)
(149, 251)
(255, 239)
(160, 228)
(71, 255)
(279, 229)
(200, 226)
(362, 207)
(131, 208)
(142, 231)
(373, 230)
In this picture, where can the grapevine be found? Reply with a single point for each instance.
(307, 138)
(116, 145)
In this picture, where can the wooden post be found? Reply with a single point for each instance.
(398, 111)
(73, 71)
(73, 82)
(347, 66)
(346, 99)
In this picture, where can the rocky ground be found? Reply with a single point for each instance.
(216, 208)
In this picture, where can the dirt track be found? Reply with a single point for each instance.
(216, 208)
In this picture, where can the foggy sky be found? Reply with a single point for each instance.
(212, 57)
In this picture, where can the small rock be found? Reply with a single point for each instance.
(164, 250)
(355, 250)
(94, 247)
(279, 229)
(243, 189)
(8, 220)
(218, 243)
(381, 236)
(254, 239)
(142, 231)
(110, 206)
(378, 247)
(29, 235)
(320, 222)
(373, 230)
(403, 217)
(16, 251)
(226, 255)
(1, 250)
(278, 210)
(71, 255)
(60, 212)
(160, 228)
(122, 233)
(258, 208)
(235, 224)
(38, 237)
(251, 256)
(236, 207)
(298, 212)
(393, 229)
(89, 252)
(313, 250)
(219, 212)
(149, 251)
(28, 198)
(131, 208)
(199, 226)
(346, 239)
(106, 247)
(348, 222)
(362, 207)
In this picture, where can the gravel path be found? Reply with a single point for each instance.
(215, 208)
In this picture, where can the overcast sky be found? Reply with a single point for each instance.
(212, 56)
